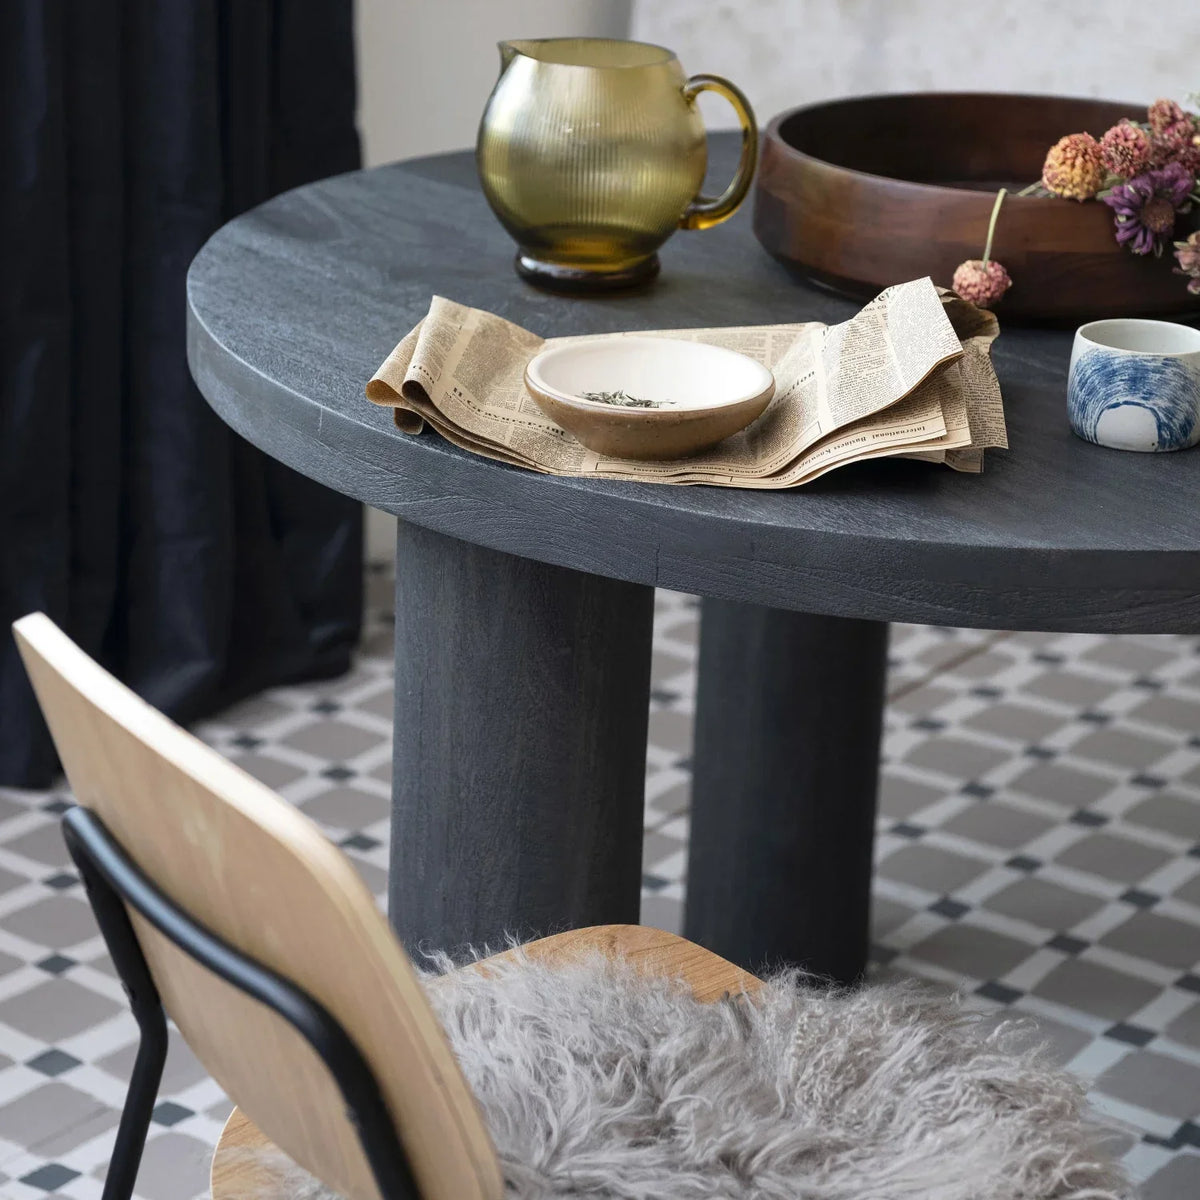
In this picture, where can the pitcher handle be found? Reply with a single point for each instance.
(706, 211)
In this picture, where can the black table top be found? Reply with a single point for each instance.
(293, 305)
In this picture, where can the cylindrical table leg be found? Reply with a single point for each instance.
(520, 745)
(788, 720)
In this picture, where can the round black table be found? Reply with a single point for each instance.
(524, 602)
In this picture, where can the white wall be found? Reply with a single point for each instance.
(425, 67)
(789, 52)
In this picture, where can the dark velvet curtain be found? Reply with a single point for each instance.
(190, 564)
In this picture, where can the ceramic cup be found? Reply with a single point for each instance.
(1135, 384)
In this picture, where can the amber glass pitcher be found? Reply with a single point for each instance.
(591, 152)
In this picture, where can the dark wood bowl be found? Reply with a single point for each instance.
(865, 192)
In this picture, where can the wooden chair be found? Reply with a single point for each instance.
(223, 905)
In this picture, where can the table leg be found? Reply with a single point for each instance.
(520, 745)
(788, 721)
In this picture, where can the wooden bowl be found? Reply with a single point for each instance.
(675, 397)
(874, 190)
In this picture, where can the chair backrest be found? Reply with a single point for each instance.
(241, 861)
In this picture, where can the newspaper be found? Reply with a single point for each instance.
(910, 374)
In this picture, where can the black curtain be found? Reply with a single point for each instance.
(193, 566)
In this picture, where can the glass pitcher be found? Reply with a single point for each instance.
(591, 153)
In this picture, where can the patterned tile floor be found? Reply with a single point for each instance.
(1039, 846)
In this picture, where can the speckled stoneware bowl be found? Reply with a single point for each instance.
(648, 397)
(1135, 384)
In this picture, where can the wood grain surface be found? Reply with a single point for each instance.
(789, 710)
(863, 191)
(294, 305)
(519, 753)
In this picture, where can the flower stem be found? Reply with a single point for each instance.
(987, 249)
(1028, 191)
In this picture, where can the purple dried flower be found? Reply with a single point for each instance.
(1145, 208)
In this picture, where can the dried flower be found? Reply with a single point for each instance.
(984, 281)
(1164, 113)
(1125, 149)
(1187, 254)
(1074, 168)
(1146, 206)
(1177, 143)
(981, 283)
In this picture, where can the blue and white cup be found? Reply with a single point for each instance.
(1135, 384)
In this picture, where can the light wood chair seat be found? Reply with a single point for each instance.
(242, 1164)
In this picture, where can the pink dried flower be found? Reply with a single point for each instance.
(1164, 113)
(981, 283)
(984, 281)
(1177, 143)
(1187, 254)
(1125, 149)
(1074, 168)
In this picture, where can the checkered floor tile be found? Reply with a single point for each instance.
(1039, 847)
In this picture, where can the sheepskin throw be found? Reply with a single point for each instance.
(599, 1082)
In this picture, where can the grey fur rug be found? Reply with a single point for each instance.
(599, 1082)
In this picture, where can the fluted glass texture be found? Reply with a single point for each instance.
(590, 151)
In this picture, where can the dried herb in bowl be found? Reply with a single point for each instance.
(621, 399)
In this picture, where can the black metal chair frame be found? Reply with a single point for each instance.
(113, 881)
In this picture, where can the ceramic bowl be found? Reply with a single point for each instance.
(648, 397)
(1135, 385)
